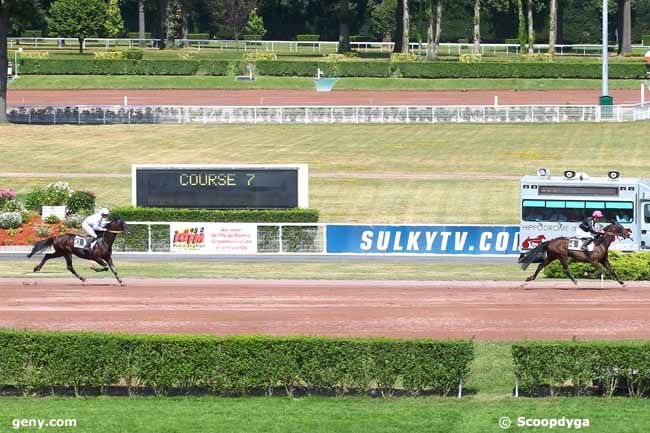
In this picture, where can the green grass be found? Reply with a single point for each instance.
(363, 154)
(490, 385)
(313, 270)
(74, 82)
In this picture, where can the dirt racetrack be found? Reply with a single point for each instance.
(311, 97)
(485, 310)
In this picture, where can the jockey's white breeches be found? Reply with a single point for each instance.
(581, 234)
(88, 229)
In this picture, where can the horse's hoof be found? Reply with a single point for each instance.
(529, 279)
(36, 269)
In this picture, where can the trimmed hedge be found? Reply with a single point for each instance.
(136, 35)
(33, 361)
(309, 38)
(125, 67)
(48, 66)
(611, 366)
(628, 266)
(216, 216)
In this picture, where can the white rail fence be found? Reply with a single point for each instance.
(105, 115)
(155, 237)
(302, 46)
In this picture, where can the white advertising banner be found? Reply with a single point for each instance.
(213, 238)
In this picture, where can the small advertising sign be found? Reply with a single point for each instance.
(213, 238)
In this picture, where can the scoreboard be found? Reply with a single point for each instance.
(220, 186)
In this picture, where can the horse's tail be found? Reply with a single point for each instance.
(41, 245)
(536, 254)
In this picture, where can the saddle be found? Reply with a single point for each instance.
(84, 242)
(576, 244)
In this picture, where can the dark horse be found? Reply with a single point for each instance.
(558, 249)
(64, 246)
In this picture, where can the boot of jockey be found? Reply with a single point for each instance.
(93, 224)
(589, 228)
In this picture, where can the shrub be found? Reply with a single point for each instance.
(309, 38)
(537, 57)
(34, 55)
(201, 215)
(136, 35)
(52, 219)
(646, 40)
(470, 58)
(361, 38)
(260, 55)
(198, 36)
(6, 195)
(31, 34)
(80, 201)
(57, 194)
(612, 366)
(133, 54)
(252, 37)
(42, 231)
(10, 220)
(73, 221)
(34, 199)
(109, 55)
(628, 266)
(30, 360)
(403, 57)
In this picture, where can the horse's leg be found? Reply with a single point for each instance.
(47, 257)
(68, 260)
(611, 271)
(565, 267)
(109, 260)
(102, 263)
(539, 268)
(599, 269)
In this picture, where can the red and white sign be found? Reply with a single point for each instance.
(213, 238)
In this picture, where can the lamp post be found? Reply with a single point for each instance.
(605, 99)
(19, 50)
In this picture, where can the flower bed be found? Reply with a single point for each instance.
(30, 232)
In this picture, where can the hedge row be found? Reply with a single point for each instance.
(611, 366)
(217, 216)
(128, 67)
(337, 69)
(629, 267)
(35, 361)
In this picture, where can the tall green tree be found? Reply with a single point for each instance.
(79, 19)
(12, 12)
(114, 25)
(406, 25)
(344, 27)
(552, 27)
(624, 27)
(383, 20)
(255, 24)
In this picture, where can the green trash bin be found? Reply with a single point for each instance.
(606, 108)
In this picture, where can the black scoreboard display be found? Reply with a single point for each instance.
(220, 187)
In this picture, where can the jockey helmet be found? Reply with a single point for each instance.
(597, 214)
(104, 211)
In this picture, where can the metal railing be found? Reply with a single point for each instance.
(322, 47)
(106, 115)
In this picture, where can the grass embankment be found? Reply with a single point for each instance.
(359, 173)
(311, 270)
(77, 82)
(489, 387)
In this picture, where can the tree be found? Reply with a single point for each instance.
(114, 25)
(79, 19)
(552, 27)
(624, 27)
(12, 12)
(255, 24)
(477, 27)
(382, 18)
(344, 27)
(434, 42)
(405, 26)
(141, 29)
(522, 25)
(531, 29)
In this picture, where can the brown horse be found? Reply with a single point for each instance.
(558, 249)
(64, 246)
